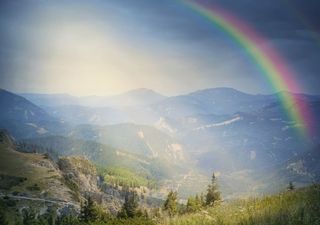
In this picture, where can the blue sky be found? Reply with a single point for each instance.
(107, 47)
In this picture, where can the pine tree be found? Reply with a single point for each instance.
(29, 217)
(291, 187)
(68, 220)
(49, 218)
(194, 204)
(213, 193)
(191, 205)
(3, 218)
(170, 204)
(88, 212)
(130, 206)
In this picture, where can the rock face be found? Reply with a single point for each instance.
(81, 177)
(80, 172)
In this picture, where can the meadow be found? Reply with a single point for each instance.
(297, 207)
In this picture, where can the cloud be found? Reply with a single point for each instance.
(112, 46)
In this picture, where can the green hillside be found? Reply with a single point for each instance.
(29, 174)
(299, 207)
(101, 155)
(124, 177)
(138, 139)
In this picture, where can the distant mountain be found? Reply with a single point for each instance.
(14, 107)
(305, 165)
(51, 99)
(248, 140)
(301, 169)
(137, 97)
(77, 114)
(220, 129)
(24, 119)
(138, 139)
(145, 106)
(220, 101)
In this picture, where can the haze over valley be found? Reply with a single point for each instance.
(171, 112)
(248, 140)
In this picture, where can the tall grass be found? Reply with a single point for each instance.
(299, 207)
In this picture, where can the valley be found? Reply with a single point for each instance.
(67, 148)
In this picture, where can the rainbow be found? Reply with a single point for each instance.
(268, 61)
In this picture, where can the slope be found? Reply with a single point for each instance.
(100, 154)
(30, 175)
(138, 139)
(23, 119)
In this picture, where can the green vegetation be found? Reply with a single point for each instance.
(91, 212)
(294, 207)
(194, 204)
(213, 193)
(100, 154)
(124, 177)
(291, 186)
(171, 205)
(297, 207)
(34, 187)
(28, 173)
(7, 181)
(130, 206)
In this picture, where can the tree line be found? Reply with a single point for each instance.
(129, 214)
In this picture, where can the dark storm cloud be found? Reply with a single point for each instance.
(288, 24)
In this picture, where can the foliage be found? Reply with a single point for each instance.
(102, 154)
(68, 220)
(30, 217)
(124, 177)
(3, 217)
(170, 205)
(7, 181)
(297, 207)
(127, 221)
(213, 194)
(34, 187)
(194, 204)
(130, 206)
(89, 211)
(291, 186)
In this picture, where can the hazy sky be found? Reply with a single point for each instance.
(106, 47)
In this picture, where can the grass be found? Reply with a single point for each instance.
(28, 173)
(125, 177)
(16, 164)
(299, 207)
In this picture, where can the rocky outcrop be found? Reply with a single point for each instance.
(81, 177)
(79, 173)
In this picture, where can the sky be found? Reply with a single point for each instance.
(97, 47)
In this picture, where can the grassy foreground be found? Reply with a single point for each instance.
(298, 207)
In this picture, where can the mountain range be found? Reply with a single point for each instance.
(240, 136)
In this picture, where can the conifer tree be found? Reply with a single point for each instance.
(88, 212)
(130, 206)
(213, 193)
(202, 200)
(3, 218)
(291, 186)
(29, 217)
(170, 204)
(194, 204)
